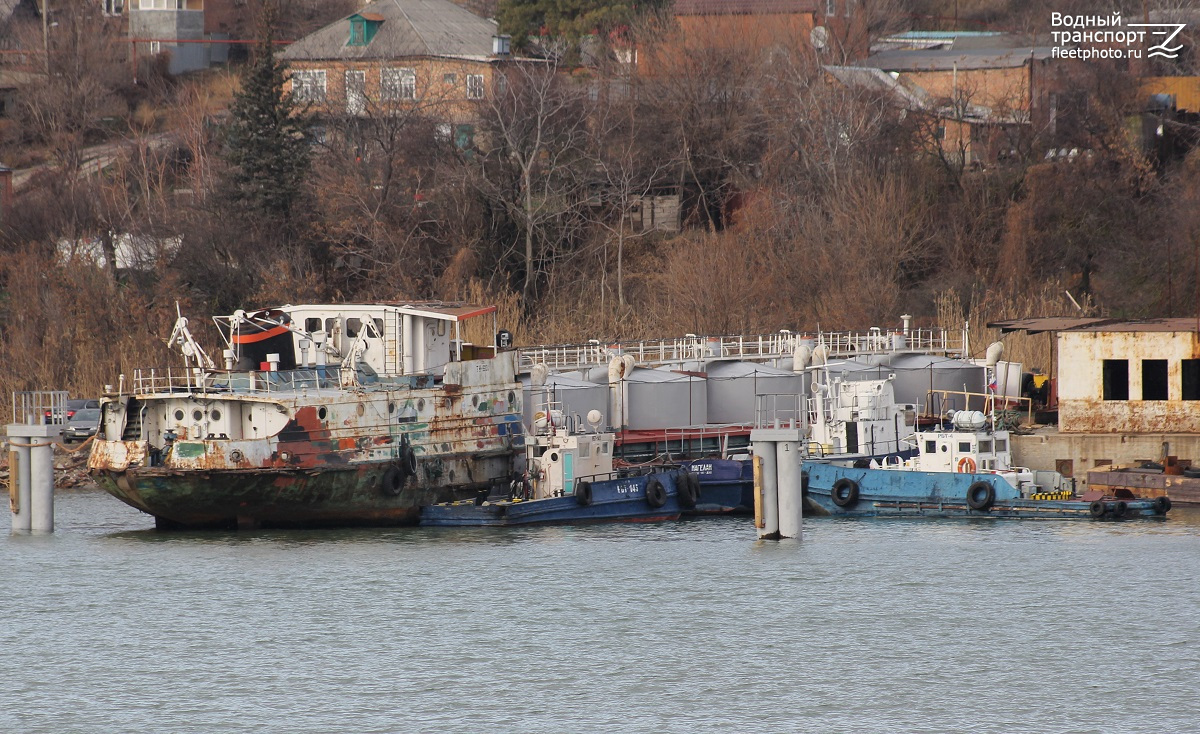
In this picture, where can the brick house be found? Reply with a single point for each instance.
(427, 55)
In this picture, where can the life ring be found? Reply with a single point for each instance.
(688, 486)
(1162, 505)
(656, 495)
(844, 492)
(966, 465)
(583, 493)
(1096, 509)
(392, 481)
(981, 496)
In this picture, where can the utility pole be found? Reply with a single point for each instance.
(46, 34)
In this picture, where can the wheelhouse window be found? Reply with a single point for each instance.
(309, 85)
(1154, 379)
(1189, 373)
(398, 84)
(1116, 379)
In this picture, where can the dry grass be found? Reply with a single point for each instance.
(69, 327)
(984, 305)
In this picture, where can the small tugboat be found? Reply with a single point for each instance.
(570, 479)
(963, 472)
(322, 415)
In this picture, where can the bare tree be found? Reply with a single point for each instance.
(533, 138)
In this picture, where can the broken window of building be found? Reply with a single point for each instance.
(1116, 379)
(1154, 379)
(1189, 373)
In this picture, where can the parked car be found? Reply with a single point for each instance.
(82, 425)
(75, 405)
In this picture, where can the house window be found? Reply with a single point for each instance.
(358, 32)
(849, 7)
(450, 79)
(1116, 379)
(474, 86)
(113, 7)
(398, 84)
(1154, 379)
(1189, 371)
(309, 85)
(830, 7)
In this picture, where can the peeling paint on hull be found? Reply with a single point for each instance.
(273, 498)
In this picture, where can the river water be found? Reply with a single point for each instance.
(864, 626)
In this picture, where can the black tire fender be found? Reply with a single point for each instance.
(844, 492)
(804, 484)
(656, 495)
(1162, 505)
(688, 487)
(410, 461)
(583, 493)
(1120, 509)
(392, 481)
(1096, 509)
(981, 496)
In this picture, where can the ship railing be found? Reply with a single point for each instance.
(180, 380)
(779, 410)
(942, 402)
(754, 347)
(37, 407)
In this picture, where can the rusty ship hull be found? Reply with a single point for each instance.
(407, 418)
(370, 458)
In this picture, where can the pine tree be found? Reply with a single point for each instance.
(267, 143)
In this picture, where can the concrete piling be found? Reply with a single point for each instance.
(778, 490)
(40, 417)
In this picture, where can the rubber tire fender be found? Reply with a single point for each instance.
(1162, 505)
(392, 481)
(583, 493)
(1120, 509)
(1096, 509)
(981, 496)
(844, 492)
(656, 495)
(688, 486)
(804, 484)
(410, 461)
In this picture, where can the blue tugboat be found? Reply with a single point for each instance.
(963, 472)
(569, 478)
(648, 498)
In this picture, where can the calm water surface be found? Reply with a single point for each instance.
(864, 626)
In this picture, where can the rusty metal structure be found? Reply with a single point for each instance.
(320, 415)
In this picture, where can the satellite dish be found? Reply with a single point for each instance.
(819, 37)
